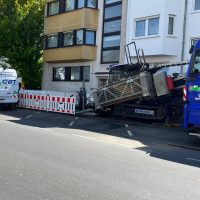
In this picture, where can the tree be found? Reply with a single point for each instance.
(21, 38)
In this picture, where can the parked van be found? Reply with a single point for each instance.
(9, 87)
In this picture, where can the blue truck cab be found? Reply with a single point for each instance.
(192, 93)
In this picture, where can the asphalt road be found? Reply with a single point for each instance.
(58, 157)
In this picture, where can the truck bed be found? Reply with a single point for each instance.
(129, 89)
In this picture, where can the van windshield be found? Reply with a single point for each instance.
(196, 67)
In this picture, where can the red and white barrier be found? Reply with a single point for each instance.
(47, 101)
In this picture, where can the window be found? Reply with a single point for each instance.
(69, 5)
(111, 1)
(111, 41)
(79, 73)
(79, 37)
(90, 37)
(110, 56)
(196, 63)
(110, 51)
(92, 3)
(194, 41)
(197, 5)
(140, 28)
(81, 3)
(113, 11)
(59, 74)
(171, 26)
(52, 41)
(71, 38)
(53, 8)
(153, 28)
(75, 74)
(113, 26)
(68, 38)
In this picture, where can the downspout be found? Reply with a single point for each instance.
(184, 32)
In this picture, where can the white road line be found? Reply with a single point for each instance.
(43, 129)
(85, 137)
(130, 133)
(126, 125)
(46, 129)
(71, 123)
(28, 116)
(77, 118)
(193, 159)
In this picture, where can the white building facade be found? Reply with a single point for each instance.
(164, 29)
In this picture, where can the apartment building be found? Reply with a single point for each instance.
(164, 29)
(82, 38)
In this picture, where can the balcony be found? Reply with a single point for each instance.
(82, 18)
(81, 53)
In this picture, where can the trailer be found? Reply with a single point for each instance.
(138, 90)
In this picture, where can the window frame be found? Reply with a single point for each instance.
(46, 40)
(62, 6)
(146, 19)
(194, 8)
(67, 73)
(96, 7)
(85, 42)
(54, 72)
(65, 10)
(173, 25)
(110, 33)
(60, 39)
(145, 24)
(153, 18)
(49, 3)
(72, 38)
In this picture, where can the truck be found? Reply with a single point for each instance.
(192, 93)
(142, 91)
(9, 87)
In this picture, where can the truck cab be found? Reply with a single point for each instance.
(192, 93)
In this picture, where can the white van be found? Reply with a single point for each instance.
(9, 87)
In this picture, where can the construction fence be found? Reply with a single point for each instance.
(49, 101)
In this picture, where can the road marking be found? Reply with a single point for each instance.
(71, 123)
(38, 112)
(193, 159)
(126, 125)
(130, 133)
(85, 137)
(44, 129)
(77, 118)
(28, 116)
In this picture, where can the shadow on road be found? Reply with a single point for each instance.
(159, 142)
